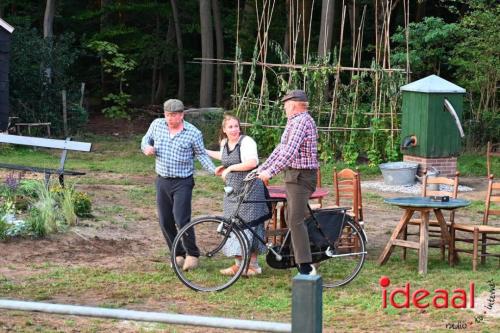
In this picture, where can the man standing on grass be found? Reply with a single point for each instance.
(174, 143)
(296, 154)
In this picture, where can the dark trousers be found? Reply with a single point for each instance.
(173, 199)
(299, 184)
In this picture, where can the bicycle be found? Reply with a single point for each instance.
(338, 246)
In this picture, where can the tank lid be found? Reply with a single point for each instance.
(433, 84)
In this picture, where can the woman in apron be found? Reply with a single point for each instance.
(238, 154)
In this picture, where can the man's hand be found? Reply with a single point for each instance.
(219, 170)
(264, 176)
(149, 151)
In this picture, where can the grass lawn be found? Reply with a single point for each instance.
(117, 259)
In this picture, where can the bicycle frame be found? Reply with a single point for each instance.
(238, 222)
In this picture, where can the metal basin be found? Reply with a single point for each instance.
(399, 173)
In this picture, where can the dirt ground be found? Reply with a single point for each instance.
(110, 245)
(115, 244)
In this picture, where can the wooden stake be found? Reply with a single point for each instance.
(65, 115)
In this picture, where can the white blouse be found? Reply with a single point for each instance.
(248, 149)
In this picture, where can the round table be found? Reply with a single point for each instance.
(424, 205)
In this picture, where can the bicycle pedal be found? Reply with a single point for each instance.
(329, 252)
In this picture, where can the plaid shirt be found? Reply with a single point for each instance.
(175, 156)
(298, 147)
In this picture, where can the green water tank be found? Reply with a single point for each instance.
(429, 127)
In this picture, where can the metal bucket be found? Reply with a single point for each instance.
(399, 173)
(433, 172)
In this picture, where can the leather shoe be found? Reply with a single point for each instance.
(190, 263)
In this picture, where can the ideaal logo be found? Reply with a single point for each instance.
(440, 299)
(423, 298)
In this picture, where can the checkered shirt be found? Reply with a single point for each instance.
(298, 148)
(175, 156)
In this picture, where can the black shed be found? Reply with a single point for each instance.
(5, 36)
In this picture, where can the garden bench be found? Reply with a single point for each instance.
(30, 125)
(64, 145)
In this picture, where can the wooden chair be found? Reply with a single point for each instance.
(319, 202)
(492, 149)
(486, 231)
(432, 186)
(347, 187)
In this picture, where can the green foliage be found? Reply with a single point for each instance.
(119, 107)
(3, 226)
(38, 211)
(118, 65)
(82, 204)
(477, 63)
(430, 45)
(46, 206)
(68, 206)
(40, 69)
(36, 223)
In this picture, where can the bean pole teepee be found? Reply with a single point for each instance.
(357, 109)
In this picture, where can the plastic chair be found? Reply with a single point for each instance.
(431, 186)
(486, 231)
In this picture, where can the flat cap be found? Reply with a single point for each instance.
(295, 95)
(173, 105)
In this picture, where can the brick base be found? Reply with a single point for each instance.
(447, 166)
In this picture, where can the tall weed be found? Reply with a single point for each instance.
(68, 206)
(46, 206)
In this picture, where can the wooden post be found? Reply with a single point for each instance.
(65, 114)
(307, 304)
(82, 92)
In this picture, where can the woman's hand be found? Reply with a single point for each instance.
(225, 172)
(219, 170)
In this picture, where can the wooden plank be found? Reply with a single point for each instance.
(424, 243)
(47, 143)
(386, 253)
(405, 243)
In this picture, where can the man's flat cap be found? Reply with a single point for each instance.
(173, 105)
(295, 95)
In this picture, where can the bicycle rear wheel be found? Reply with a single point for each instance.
(211, 233)
(345, 263)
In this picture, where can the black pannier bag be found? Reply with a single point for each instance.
(330, 222)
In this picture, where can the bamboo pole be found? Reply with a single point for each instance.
(292, 66)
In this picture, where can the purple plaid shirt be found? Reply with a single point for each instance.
(298, 148)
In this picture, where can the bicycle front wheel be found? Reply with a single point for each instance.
(213, 236)
(345, 263)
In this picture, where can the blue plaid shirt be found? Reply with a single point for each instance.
(175, 156)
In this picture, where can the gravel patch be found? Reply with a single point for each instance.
(410, 189)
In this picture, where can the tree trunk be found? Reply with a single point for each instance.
(207, 51)
(420, 12)
(219, 38)
(180, 50)
(326, 27)
(305, 10)
(48, 34)
(48, 19)
(287, 43)
(161, 90)
(104, 19)
(104, 22)
(353, 9)
(154, 69)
